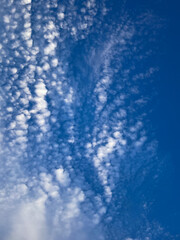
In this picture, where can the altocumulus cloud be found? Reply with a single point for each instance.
(75, 139)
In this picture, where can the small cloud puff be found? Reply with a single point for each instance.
(62, 177)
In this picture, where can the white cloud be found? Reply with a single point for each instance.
(41, 90)
(14, 70)
(73, 31)
(117, 134)
(30, 221)
(7, 18)
(22, 189)
(51, 188)
(39, 70)
(12, 125)
(49, 50)
(26, 35)
(69, 97)
(10, 109)
(141, 141)
(46, 66)
(62, 176)
(24, 2)
(29, 43)
(21, 118)
(61, 15)
(54, 62)
(40, 103)
(19, 132)
(102, 97)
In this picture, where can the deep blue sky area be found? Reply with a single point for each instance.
(167, 117)
(89, 120)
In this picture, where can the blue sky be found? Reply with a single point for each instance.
(89, 131)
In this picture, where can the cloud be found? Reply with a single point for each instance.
(72, 138)
(62, 177)
(29, 221)
(24, 2)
